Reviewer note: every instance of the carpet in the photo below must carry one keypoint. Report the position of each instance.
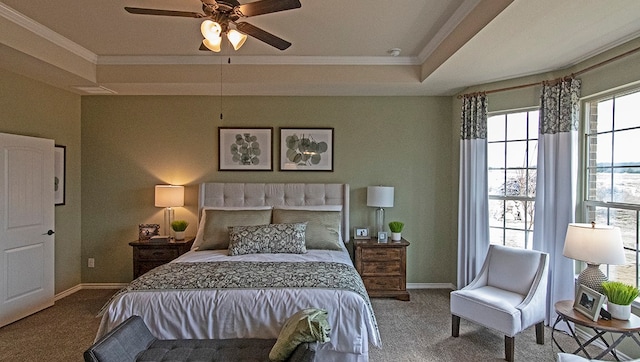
(418, 330)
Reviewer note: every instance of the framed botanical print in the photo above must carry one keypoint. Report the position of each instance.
(245, 149)
(306, 149)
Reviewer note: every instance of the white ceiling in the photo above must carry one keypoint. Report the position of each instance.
(339, 47)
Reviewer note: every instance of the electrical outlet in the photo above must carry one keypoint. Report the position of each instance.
(91, 263)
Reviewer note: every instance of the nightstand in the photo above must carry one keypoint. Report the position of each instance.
(148, 255)
(383, 267)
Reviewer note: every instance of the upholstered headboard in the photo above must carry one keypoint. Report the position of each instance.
(216, 194)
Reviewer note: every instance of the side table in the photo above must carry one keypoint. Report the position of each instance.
(148, 254)
(566, 313)
(383, 267)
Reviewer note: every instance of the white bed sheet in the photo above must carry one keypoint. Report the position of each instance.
(251, 313)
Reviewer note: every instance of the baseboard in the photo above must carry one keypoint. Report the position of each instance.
(81, 286)
(430, 286)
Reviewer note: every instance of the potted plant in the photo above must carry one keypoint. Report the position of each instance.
(619, 298)
(179, 227)
(396, 230)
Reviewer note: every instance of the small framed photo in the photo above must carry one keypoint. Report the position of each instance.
(360, 232)
(382, 236)
(588, 302)
(146, 231)
(306, 149)
(245, 149)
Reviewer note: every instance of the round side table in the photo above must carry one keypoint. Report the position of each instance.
(627, 329)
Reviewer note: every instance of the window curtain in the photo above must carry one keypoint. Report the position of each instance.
(473, 199)
(556, 183)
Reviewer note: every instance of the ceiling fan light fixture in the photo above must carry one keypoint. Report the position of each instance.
(236, 38)
(213, 44)
(210, 30)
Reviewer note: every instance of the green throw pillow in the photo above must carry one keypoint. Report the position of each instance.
(308, 325)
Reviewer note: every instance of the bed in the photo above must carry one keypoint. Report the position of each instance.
(248, 287)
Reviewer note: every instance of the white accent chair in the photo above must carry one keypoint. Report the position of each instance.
(508, 295)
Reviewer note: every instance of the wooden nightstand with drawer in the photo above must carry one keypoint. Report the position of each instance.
(148, 255)
(383, 267)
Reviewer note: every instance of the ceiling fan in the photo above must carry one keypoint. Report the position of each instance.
(220, 15)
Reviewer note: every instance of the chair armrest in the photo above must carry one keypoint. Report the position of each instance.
(533, 307)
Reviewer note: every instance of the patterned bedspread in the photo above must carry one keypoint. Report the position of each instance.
(249, 275)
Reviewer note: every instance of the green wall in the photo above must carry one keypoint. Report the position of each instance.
(121, 146)
(131, 143)
(35, 109)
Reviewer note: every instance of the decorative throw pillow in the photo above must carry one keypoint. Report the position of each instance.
(213, 231)
(308, 325)
(323, 226)
(272, 238)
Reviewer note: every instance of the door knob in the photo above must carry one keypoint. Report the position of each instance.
(50, 232)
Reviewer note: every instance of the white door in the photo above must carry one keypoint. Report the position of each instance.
(26, 226)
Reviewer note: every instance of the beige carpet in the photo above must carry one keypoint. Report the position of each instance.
(419, 330)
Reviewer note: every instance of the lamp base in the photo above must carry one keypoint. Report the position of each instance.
(592, 277)
(168, 219)
(380, 219)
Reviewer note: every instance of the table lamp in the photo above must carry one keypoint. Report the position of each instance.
(594, 245)
(169, 196)
(380, 196)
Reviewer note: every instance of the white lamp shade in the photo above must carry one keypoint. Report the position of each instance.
(594, 244)
(380, 196)
(210, 29)
(169, 196)
(236, 38)
(214, 45)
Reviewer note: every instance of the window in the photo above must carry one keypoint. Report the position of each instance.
(612, 192)
(512, 157)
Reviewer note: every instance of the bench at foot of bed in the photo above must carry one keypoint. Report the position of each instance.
(132, 341)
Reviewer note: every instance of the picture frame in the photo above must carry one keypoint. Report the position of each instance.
(245, 149)
(361, 233)
(588, 302)
(306, 149)
(146, 231)
(382, 236)
(59, 174)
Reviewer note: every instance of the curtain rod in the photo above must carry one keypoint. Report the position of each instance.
(573, 75)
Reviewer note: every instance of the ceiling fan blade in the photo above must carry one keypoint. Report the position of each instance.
(262, 35)
(143, 11)
(267, 6)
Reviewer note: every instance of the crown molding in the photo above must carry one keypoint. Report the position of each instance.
(252, 60)
(46, 33)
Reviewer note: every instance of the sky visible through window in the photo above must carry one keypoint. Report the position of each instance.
(613, 175)
(512, 158)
